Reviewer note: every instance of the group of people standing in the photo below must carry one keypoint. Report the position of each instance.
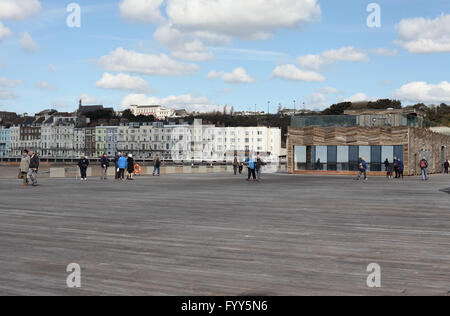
(395, 169)
(254, 166)
(29, 166)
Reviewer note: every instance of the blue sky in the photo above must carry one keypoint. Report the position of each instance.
(265, 45)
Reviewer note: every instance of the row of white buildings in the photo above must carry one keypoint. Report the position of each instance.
(62, 136)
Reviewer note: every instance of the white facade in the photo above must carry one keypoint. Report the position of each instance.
(157, 111)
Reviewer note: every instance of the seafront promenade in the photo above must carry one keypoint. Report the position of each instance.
(216, 234)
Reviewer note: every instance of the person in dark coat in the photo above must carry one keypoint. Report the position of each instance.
(130, 167)
(104, 162)
(157, 166)
(446, 166)
(388, 167)
(83, 164)
(396, 167)
(401, 168)
(34, 167)
(423, 164)
(116, 164)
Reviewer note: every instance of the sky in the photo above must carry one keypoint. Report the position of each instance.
(204, 54)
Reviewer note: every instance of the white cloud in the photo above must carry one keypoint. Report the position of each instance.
(384, 52)
(291, 72)
(329, 90)
(87, 99)
(4, 31)
(192, 51)
(123, 82)
(330, 57)
(6, 94)
(316, 100)
(142, 10)
(46, 86)
(187, 101)
(182, 45)
(238, 75)
(28, 44)
(122, 60)
(51, 68)
(7, 83)
(256, 19)
(18, 10)
(359, 97)
(421, 91)
(424, 35)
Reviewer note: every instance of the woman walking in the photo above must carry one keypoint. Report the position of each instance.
(24, 167)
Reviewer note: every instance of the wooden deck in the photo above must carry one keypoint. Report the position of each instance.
(219, 235)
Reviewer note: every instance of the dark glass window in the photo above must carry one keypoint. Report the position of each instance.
(398, 152)
(332, 158)
(375, 158)
(353, 158)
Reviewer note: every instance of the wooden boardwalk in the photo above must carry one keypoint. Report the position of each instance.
(219, 235)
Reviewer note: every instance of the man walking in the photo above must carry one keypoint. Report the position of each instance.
(157, 166)
(362, 169)
(446, 166)
(235, 165)
(258, 166)
(116, 164)
(251, 169)
(401, 168)
(34, 167)
(423, 164)
(83, 164)
(24, 167)
(105, 165)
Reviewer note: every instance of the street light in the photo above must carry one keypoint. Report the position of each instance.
(295, 107)
(268, 107)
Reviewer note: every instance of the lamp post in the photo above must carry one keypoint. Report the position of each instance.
(295, 107)
(268, 107)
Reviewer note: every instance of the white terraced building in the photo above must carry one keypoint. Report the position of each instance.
(157, 111)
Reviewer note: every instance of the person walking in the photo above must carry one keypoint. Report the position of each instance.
(401, 168)
(388, 167)
(362, 169)
(251, 168)
(121, 166)
(83, 164)
(157, 166)
(24, 167)
(116, 164)
(258, 166)
(34, 167)
(423, 164)
(235, 165)
(130, 167)
(446, 166)
(396, 167)
(105, 165)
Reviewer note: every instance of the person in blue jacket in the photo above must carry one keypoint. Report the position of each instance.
(401, 168)
(251, 168)
(362, 169)
(122, 165)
